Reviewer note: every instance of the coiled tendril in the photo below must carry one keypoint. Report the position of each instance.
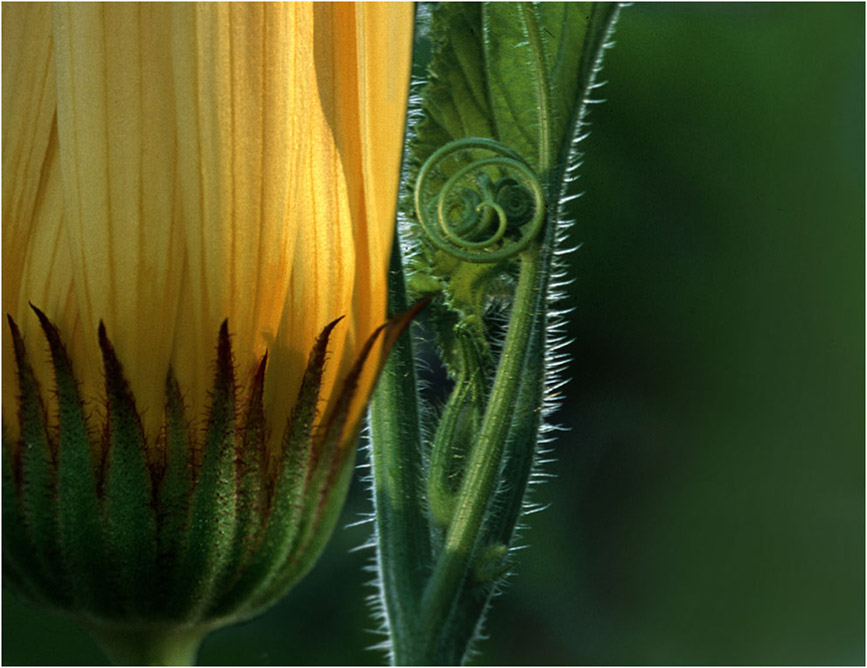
(479, 201)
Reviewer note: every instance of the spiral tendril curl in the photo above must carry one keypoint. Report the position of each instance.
(479, 201)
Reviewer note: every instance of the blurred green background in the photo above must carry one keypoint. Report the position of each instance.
(709, 504)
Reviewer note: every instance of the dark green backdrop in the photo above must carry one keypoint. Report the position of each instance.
(709, 504)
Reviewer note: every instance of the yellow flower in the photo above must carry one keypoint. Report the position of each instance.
(169, 167)
(166, 167)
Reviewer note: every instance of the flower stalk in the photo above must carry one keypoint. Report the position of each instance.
(158, 646)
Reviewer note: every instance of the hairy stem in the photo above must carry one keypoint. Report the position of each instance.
(402, 537)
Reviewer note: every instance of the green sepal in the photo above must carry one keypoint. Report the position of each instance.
(208, 542)
(21, 572)
(286, 498)
(250, 464)
(38, 474)
(163, 541)
(129, 517)
(82, 544)
(175, 488)
(320, 525)
(328, 478)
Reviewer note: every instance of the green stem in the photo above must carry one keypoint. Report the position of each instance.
(459, 423)
(485, 464)
(149, 646)
(482, 473)
(403, 540)
(431, 616)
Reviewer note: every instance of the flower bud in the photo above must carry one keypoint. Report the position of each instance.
(198, 207)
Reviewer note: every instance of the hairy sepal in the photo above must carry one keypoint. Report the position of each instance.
(82, 542)
(194, 531)
(130, 520)
(35, 463)
(284, 500)
(211, 531)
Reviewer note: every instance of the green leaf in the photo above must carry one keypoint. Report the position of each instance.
(490, 61)
(517, 73)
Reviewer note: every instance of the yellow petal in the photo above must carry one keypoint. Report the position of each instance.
(35, 253)
(217, 161)
(362, 55)
(238, 105)
(323, 264)
(384, 33)
(115, 112)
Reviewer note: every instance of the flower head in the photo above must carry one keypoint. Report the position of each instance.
(193, 195)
